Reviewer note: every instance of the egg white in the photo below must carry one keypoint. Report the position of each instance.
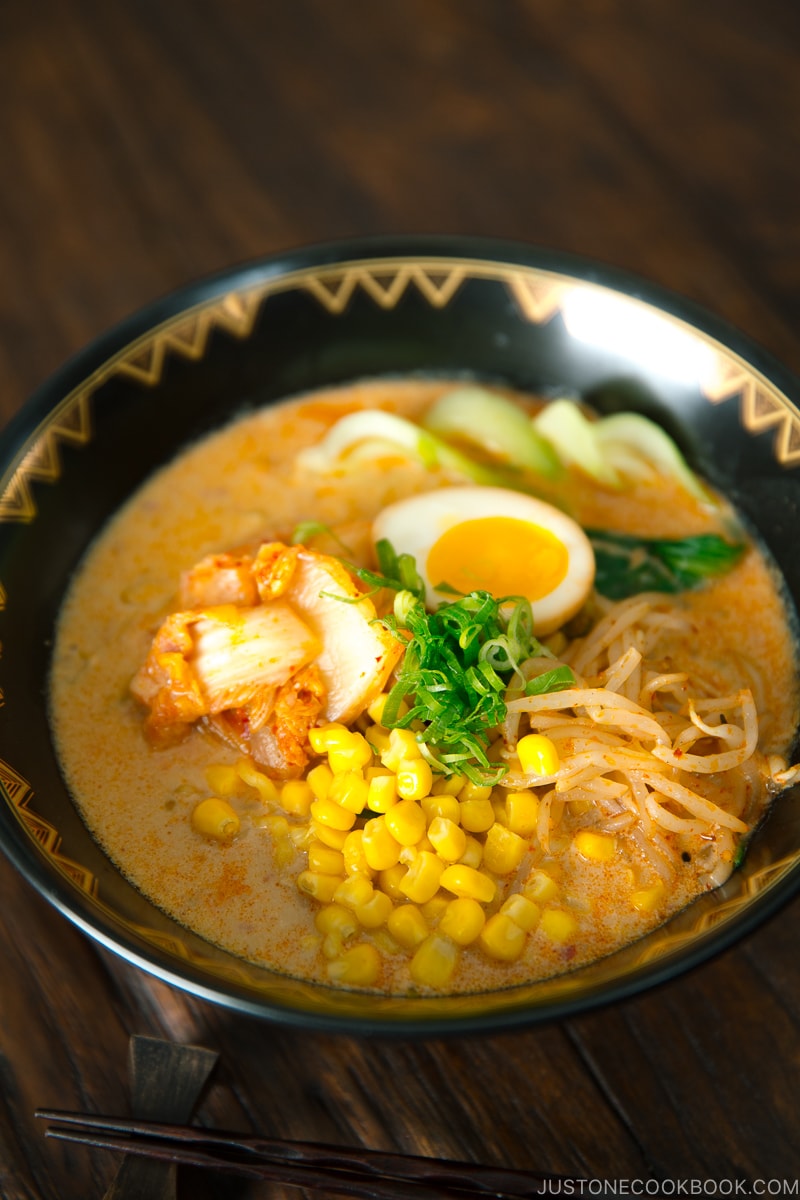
(415, 525)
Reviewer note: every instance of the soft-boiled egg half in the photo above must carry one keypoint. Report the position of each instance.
(493, 540)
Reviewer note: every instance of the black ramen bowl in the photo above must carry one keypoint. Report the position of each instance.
(530, 318)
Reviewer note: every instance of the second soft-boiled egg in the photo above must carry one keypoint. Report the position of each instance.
(493, 540)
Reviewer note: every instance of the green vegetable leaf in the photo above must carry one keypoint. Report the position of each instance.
(557, 680)
(626, 564)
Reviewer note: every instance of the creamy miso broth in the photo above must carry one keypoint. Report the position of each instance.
(615, 799)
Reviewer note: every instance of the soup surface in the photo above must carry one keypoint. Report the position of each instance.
(583, 854)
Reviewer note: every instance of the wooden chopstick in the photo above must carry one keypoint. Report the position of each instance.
(369, 1174)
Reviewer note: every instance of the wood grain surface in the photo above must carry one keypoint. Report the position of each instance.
(145, 144)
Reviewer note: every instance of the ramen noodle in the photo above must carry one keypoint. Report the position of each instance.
(351, 702)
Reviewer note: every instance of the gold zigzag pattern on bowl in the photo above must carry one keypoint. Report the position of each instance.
(18, 793)
(539, 296)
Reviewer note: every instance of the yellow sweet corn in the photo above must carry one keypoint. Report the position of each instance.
(324, 860)
(502, 938)
(215, 818)
(647, 899)
(462, 920)
(381, 792)
(353, 892)
(349, 789)
(358, 966)
(381, 850)
(441, 805)
(476, 815)
(378, 739)
(473, 852)
(448, 839)
(355, 860)
(540, 887)
(351, 755)
(522, 911)
(421, 881)
(467, 881)
(389, 880)
(296, 797)
(375, 912)
(434, 961)
(503, 850)
(254, 778)
(414, 778)
(406, 822)
(600, 847)
(328, 812)
(447, 785)
(402, 744)
(222, 779)
(537, 755)
(407, 925)
(324, 738)
(522, 812)
(317, 886)
(319, 780)
(334, 918)
(474, 791)
(558, 925)
(375, 709)
(432, 909)
(335, 838)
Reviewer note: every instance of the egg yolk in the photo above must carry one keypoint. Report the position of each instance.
(502, 555)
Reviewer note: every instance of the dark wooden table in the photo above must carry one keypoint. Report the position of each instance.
(145, 144)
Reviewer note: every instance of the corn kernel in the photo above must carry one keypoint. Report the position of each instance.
(521, 911)
(448, 840)
(433, 909)
(434, 962)
(375, 912)
(215, 818)
(296, 797)
(355, 861)
(540, 887)
(441, 805)
(421, 881)
(222, 779)
(319, 887)
(648, 899)
(353, 891)
(406, 822)
(375, 709)
(350, 755)
(598, 846)
(474, 791)
(447, 785)
(381, 850)
(389, 881)
(323, 738)
(324, 860)
(254, 778)
(332, 946)
(407, 925)
(473, 852)
(522, 812)
(502, 938)
(333, 918)
(558, 925)
(499, 809)
(349, 789)
(335, 838)
(414, 778)
(402, 744)
(503, 850)
(466, 881)
(328, 812)
(476, 815)
(319, 780)
(277, 825)
(378, 739)
(360, 965)
(537, 755)
(381, 793)
(462, 920)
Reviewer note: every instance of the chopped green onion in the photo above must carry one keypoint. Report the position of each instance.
(496, 425)
(557, 680)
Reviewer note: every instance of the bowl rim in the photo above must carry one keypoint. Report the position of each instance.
(19, 431)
